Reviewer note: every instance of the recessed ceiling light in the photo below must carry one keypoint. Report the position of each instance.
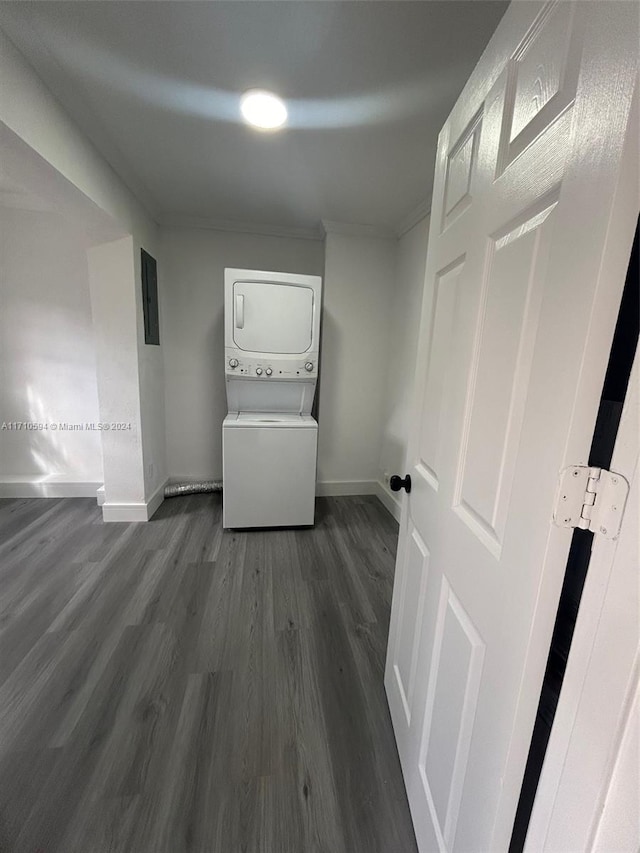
(263, 109)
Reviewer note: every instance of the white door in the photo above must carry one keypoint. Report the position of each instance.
(272, 317)
(523, 282)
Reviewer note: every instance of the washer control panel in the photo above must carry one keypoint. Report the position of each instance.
(265, 368)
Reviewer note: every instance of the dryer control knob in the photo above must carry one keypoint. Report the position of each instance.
(309, 366)
(233, 362)
(258, 371)
(268, 371)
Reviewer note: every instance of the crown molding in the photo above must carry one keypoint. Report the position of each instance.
(412, 218)
(230, 225)
(328, 226)
(351, 229)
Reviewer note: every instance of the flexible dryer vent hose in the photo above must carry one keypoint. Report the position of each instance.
(177, 489)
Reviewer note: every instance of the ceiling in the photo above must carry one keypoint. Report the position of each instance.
(156, 85)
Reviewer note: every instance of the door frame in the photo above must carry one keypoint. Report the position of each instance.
(623, 223)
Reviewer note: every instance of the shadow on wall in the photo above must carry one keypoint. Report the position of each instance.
(330, 412)
(326, 389)
(392, 458)
(216, 372)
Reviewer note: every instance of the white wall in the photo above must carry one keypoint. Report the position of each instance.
(67, 164)
(113, 301)
(191, 312)
(358, 291)
(371, 305)
(404, 328)
(47, 350)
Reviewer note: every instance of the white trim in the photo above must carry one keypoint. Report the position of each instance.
(192, 478)
(352, 229)
(334, 488)
(327, 226)
(389, 501)
(46, 486)
(100, 495)
(142, 511)
(156, 499)
(125, 512)
(229, 225)
(411, 219)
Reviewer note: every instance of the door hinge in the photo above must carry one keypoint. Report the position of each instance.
(591, 499)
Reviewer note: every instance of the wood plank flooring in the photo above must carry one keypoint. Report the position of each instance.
(171, 687)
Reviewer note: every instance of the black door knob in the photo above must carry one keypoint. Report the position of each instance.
(396, 483)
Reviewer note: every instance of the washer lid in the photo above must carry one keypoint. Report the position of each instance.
(269, 420)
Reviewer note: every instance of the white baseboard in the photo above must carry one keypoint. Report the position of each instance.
(46, 486)
(192, 478)
(335, 488)
(125, 512)
(141, 511)
(393, 504)
(100, 495)
(156, 499)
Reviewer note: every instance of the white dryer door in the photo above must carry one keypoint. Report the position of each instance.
(272, 317)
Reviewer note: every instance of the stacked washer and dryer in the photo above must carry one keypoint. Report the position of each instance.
(269, 438)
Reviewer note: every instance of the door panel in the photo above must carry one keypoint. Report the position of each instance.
(541, 68)
(507, 325)
(461, 164)
(525, 186)
(272, 318)
(416, 572)
(451, 705)
(446, 313)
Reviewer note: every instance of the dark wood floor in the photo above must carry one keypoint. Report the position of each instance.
(170, 687)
